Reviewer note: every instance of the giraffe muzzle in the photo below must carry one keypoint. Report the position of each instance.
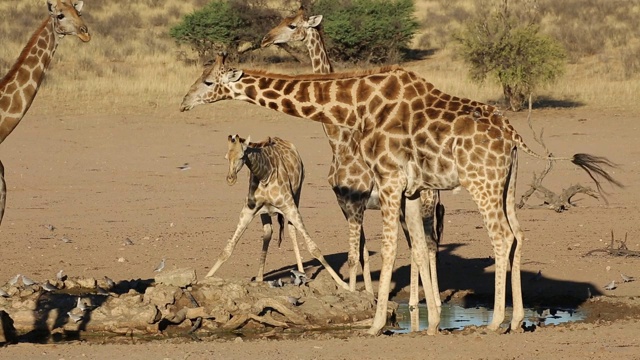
(84, 34)
(231, 179)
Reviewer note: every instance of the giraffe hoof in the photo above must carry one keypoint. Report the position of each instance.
(432, 331)
(374, 332)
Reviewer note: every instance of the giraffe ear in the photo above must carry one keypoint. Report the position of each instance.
(51, 6)
(232, 75)
(314, 21)
(78, 5)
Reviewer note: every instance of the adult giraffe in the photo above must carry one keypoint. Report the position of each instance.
(20, 85)
(413, 140)
(350, 177)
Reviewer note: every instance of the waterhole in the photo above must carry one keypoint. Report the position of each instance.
(456, 317)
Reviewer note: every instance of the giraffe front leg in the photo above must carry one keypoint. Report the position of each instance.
(366, 269)
(293, 215)
(390, 200)
(420, 257)
(414, 283)
(246, 215)
(432, 225)
(267, 228)
(353, 212)
(414, 299)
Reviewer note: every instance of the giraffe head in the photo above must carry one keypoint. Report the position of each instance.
(212, 85)
(67, 18)
(236, 148)
(292, 28)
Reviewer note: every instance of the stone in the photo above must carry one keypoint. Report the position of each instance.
(177, 277)
(88, 283)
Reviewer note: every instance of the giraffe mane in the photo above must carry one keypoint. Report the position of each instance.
(332, 76)
(24, 53)
(262, 144)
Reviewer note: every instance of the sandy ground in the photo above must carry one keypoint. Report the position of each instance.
(100, 178)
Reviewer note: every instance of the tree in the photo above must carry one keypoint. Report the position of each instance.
(508, 45)
(225, 25)
(376, 31)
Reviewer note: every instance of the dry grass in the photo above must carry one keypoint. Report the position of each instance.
(131, 62)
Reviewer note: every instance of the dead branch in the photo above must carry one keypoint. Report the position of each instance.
(621, 250)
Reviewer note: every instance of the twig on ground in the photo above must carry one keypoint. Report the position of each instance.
(621, 250)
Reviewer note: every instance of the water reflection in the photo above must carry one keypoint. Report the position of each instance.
(458, 317)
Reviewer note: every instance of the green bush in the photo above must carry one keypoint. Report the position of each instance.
(503, 45)
(366, 30)
(225, 25)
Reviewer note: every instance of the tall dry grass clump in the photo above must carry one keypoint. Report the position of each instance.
(131, 62)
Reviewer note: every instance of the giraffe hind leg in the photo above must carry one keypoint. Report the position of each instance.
(3, 192)
(516, 284)
(489, 199)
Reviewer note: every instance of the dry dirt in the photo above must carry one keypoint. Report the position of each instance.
(100, 177)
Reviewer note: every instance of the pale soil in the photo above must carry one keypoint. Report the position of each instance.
(100, 177)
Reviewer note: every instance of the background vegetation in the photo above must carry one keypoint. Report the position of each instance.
(132, 61)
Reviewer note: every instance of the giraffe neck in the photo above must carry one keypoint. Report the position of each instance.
(19, 87)
(321, 98)
(257, 161)
(317, 52)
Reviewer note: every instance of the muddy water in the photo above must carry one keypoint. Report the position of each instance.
(457, 317)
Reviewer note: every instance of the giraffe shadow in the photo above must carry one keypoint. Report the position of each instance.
(470, 283)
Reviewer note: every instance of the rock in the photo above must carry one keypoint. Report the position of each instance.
(161, 295)
(88, 283)
(177, 277)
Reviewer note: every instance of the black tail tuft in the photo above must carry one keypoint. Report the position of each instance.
(281, 231)
(593, 165)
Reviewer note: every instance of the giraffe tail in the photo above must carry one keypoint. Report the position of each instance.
(281, 231)
(594, 166)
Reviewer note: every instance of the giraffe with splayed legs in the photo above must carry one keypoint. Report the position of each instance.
(20, 85)
(275, 183)
(413, 138)
(349, 176)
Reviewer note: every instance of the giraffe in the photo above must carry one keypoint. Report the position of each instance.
(349, 176)
(262, 168)
(414, 137)
(20, 85)
(275, 184)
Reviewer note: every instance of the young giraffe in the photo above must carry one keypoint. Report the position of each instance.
(349, 176)
(275, 184)
(20, 85)
(413, 138)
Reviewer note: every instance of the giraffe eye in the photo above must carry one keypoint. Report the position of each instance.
(60, 16)
(208, 83)
(291, 26)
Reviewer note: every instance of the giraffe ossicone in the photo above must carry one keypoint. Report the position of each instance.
(414, 137)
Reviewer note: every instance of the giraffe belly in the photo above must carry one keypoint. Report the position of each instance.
(419, 178)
